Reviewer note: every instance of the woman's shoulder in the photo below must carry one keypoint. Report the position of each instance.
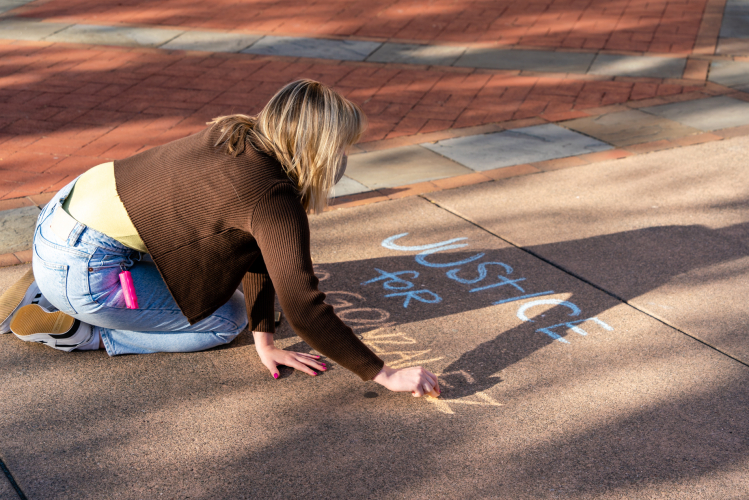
(260, 180)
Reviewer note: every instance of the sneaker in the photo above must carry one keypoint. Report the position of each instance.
(22, 293)
(33, 323)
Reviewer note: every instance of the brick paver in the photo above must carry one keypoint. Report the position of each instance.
(661, 26)
(65, 107)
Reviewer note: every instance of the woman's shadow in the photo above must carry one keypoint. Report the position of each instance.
(624, 265)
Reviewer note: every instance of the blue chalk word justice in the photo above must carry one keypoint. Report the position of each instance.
(498, 276)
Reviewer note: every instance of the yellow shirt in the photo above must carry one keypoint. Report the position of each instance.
(94, 202)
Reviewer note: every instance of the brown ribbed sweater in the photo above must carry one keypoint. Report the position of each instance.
(210, 220)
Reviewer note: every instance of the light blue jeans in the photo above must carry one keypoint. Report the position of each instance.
(80, 276)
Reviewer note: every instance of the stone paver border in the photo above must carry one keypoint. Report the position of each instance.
(720, 29)
(654, 27)
(586, 62)
(533, 144)
(378, 195)
(733, 74)
(10, 5)
(735, 20)
(385, 194)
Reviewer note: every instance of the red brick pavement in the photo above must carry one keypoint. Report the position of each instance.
(661, 26)
(65, 107)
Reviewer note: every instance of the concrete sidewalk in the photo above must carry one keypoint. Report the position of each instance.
(602, 355)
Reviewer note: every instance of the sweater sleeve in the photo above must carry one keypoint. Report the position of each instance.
(281, 229)
(259, 297)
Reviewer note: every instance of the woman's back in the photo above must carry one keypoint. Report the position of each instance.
(94, 202)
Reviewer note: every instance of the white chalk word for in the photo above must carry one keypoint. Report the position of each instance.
(391, 281)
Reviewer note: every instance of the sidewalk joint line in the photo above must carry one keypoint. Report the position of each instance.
(12, 481)
(584, 280)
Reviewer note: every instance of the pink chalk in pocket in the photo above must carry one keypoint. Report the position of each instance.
(131, 300)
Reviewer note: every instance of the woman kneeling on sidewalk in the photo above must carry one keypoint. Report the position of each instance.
(185, 223)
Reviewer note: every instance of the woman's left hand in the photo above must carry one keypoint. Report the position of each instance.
(271, 356)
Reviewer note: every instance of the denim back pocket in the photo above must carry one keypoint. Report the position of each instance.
(52, 280)
(55, 267)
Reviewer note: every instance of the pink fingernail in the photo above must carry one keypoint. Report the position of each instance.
(275, 375)
(323, 368)
(314, 374)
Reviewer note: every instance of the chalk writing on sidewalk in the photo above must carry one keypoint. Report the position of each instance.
(393, 282)
(397, 349)
(502, 283)
(389, 344)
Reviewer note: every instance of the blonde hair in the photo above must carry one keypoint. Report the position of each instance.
(307, 127)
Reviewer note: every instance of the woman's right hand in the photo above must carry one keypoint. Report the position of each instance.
(416, 379)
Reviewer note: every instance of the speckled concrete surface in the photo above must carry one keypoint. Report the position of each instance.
(17, 228)
(635, 411)
(668, 232)
(6, 489)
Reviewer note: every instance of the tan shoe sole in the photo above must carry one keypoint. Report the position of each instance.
(32, 319)
(13, 296)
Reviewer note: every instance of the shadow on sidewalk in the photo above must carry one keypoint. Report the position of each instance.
(211, 425)
(626, 264)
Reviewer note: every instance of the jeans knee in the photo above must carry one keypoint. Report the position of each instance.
(234, 325)
(227, 337)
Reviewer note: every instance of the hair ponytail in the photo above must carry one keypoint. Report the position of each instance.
(234, 132)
